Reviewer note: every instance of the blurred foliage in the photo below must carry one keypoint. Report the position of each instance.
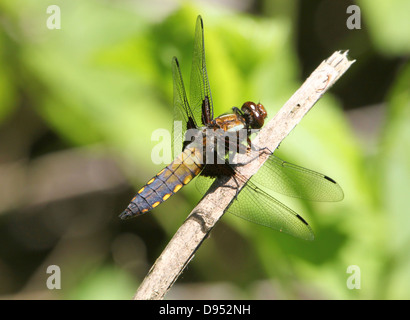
(101, 85)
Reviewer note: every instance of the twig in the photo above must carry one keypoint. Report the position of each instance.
(181, 249)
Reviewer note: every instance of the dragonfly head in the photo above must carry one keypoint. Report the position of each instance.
(255, 114)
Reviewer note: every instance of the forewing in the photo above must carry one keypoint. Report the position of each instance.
(183, 115)
(294, 181)
(200, 93)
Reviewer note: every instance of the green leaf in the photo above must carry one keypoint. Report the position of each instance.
(388, 24)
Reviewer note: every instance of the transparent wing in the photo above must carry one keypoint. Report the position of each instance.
(203, 184)
(183, 116)
(255, 205)
(200, 93)
(294, 181)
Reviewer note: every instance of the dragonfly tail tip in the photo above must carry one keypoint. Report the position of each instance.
(125, 214)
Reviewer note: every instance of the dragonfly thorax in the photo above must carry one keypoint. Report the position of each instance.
(229, 122)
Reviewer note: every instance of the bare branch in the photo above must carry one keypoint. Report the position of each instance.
(181, 249)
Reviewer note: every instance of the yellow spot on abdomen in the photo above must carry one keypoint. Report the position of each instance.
(155, 204)
(151, 181)
(176, 189)
(141, 190)
(187, 179)
(166, 197)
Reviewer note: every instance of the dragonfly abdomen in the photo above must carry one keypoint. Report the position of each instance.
(166, 183)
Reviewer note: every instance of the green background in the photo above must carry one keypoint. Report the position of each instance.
(78, 106)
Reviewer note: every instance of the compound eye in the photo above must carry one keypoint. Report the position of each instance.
(256, 114)
(249, 105)
(262, 110)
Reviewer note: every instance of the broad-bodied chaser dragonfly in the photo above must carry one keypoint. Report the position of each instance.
(252, 202)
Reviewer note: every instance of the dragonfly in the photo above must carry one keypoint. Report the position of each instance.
(253, 202)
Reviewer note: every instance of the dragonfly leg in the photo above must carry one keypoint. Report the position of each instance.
(235, 180)
(265, 150)
(261, 151)
(235, 187)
